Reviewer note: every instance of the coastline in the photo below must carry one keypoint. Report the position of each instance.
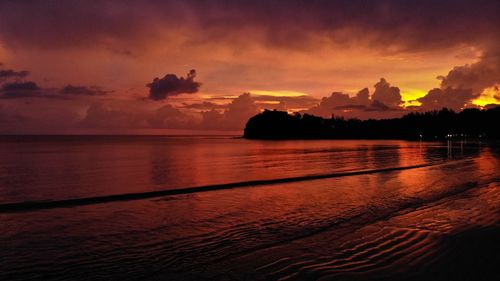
(434, 125)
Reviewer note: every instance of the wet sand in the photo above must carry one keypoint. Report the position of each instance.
(456, 238)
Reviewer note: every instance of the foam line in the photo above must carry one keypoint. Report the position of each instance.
(37, 205)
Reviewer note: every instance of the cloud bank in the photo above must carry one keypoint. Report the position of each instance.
(383, 103)
(389, 25)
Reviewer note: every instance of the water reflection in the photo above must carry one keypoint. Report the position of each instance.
(162, 171)
(164, 236)
(51, 169)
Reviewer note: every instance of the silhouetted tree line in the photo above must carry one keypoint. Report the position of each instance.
(431, 125)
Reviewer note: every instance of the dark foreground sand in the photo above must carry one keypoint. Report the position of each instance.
(456, 238)
(471, 255)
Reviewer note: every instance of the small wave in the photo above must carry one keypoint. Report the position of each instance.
(66, 203)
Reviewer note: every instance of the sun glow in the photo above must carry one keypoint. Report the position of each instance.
(410, 95)
(279, 93)
(488, 96)
(408, 103)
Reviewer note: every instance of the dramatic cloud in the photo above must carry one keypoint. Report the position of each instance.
(20, 90)
(464, 83)
(455, 99)
(386, 94)
(304, 46)
(83, 91)
(171, 85)
(386, 100)
(477, 76)
(234, 118)
(339, 101)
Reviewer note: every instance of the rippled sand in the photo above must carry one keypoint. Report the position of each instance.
(455, 238)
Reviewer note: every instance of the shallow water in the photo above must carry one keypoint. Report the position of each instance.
(50, 168)
(203, 234)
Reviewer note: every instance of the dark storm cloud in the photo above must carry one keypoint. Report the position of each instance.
(477, 76)
(171, 85)
(83, 91)
(20, 90)
(389, 25)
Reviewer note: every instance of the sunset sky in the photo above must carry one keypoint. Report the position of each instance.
(184, 66)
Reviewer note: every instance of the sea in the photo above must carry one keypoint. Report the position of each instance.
(228, 208)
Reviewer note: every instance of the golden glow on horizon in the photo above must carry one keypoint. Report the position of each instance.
(410, 95)
(272, 102)
(488, 97)
(218, 97)
(411, 103)
(280, 93)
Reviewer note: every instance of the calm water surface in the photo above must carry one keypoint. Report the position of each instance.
(50, 168)
(169, 236)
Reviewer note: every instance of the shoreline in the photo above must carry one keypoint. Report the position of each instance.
(444, 240)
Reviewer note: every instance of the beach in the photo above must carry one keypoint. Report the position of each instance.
(249, 140)
(451, 239)
(255, 210)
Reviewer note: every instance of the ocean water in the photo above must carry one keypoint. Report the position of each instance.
(213, 207)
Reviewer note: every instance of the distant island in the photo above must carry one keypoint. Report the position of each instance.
(432, 125)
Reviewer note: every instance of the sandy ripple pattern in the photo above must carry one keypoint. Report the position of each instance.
(399, 248)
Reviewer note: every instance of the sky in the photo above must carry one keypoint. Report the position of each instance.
(70, 67)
